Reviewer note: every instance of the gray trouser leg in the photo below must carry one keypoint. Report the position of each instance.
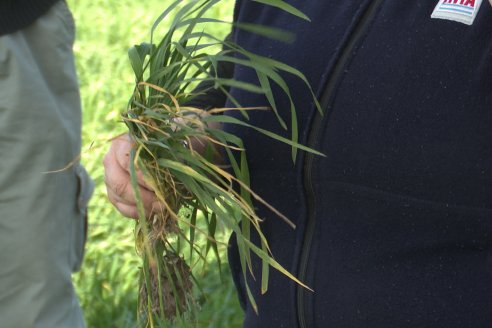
(41, 214)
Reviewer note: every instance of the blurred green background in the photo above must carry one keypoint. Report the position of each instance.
(108, 283)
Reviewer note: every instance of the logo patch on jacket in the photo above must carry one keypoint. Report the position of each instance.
(463, 11)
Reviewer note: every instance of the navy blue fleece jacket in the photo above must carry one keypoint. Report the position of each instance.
(394, 225)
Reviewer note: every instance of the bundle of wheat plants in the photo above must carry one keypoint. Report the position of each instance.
(176, 150)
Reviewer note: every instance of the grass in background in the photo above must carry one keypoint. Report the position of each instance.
(108, 283)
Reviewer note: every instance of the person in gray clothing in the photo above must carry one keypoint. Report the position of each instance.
(42, 213)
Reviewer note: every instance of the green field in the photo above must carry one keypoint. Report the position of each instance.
(108, 283)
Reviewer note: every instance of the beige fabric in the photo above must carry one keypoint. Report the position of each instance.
(41, 214)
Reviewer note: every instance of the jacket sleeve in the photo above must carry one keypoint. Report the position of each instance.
(207, 96)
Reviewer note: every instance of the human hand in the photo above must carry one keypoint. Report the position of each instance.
(117, 179)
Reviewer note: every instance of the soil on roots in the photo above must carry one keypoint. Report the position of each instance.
(176, 286)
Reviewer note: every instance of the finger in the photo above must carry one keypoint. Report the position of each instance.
(141, 181)
(120, 190)
(116, 178)
(130, 210)
(121, 149)
(127, 210)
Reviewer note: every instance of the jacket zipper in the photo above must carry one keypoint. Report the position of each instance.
(313, 140)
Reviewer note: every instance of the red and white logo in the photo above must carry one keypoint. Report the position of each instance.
(463, 11)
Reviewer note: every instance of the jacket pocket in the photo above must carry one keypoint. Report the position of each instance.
(79, 226)
(4, 58)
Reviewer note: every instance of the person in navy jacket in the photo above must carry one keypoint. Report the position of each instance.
(394, 225)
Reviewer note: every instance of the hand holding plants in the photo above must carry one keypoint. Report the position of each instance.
(117, 177)
(117, 180)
